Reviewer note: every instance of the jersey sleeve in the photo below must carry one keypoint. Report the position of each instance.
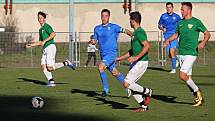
(118, 28)
(142, 36)
(95, 35)
(178, 18)
(161, 22)
(201, 27)
(49, 29)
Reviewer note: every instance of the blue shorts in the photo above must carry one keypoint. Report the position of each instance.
(173, 44)
(109, 61)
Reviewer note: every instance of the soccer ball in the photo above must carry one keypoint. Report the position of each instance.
(37, 102)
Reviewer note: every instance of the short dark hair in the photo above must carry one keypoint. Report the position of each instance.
(42, 14)
(136, 16)
(169, 3)
(188, 4)
(106, 10)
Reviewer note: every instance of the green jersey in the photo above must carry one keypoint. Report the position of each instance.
(188, 31)
(138, 36)
(44, 33)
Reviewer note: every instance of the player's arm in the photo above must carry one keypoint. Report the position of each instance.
(51, 36)
(33, 44)
(171, 38)
(207, 36)
(124, 56)
(160, 24)
(142, 53)
(126, 31)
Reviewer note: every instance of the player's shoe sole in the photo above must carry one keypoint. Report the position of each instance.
(141, 109)
(70, 64)
(51, 85)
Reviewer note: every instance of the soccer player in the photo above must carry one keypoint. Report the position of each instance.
(138, 59)
(46, 40)
(188, 29)
(91, 50)
(167, 24)
(106, 35)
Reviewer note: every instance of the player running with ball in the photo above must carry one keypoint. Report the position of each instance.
(138, 59)
(46, 40)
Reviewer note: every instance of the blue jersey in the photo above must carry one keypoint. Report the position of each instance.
(107, 36)
(169, 22)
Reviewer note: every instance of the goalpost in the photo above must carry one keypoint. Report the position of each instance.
(71, 30)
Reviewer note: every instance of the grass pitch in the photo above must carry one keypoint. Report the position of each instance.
(77, 96)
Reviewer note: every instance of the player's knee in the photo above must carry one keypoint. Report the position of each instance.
(126, 85)
(115, 73)
(43, 67)
(183, 76)
(50, 68)
(101, 67)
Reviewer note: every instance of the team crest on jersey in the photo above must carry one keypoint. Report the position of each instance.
(190, 26)
(42, 31)
(174, 18)
(108, 28)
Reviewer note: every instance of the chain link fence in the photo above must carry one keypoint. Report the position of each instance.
(13, 53)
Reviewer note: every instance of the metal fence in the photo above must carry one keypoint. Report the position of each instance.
(14, 54)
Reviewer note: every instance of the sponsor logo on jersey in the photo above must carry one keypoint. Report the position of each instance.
(190, 26)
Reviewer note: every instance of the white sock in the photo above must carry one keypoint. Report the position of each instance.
(47, 74)
(138, 98)
(192, 85)
(58, 65)
(136, 87)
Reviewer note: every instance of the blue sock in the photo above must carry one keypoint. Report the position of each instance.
(104, 81)
(120, 77)
(174, 63)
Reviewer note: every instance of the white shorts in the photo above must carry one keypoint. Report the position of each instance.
(136, 72)
(48, 57)
(186, 63)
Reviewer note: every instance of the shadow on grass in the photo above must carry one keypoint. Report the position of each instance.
(36, 81)
(168, 99)
(33, 81)
(103, 100)
(158, 69)
(18, 108)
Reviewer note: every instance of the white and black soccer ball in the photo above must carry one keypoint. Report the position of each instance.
(37, 102)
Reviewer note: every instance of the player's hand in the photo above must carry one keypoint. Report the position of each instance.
(132, 59)
(164, 29)
(117, 60)
(42, 43)
(28, 45)
(201, 45)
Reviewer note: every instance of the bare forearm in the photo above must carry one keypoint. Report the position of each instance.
(207, 36)
(124, 56)
(128, 32)
(173, 37)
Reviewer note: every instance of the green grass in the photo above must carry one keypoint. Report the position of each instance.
(77, 96)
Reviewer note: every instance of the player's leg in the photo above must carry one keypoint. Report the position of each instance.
(94, 57)
(47, 73)
(115, 72)
(88, 58)
(185, 75)
(101, 67)
(51, 65)
(138, 91)
(173, 46)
